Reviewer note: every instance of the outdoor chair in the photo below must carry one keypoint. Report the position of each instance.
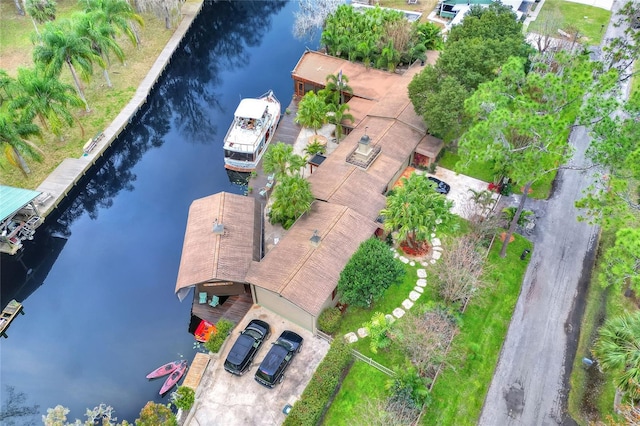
(214, 301)
(203, 297)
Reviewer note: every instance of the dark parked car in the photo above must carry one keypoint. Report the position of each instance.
(271, 370)
(246, 347)
(441, 187)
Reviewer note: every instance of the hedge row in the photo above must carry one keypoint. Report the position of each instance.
(309, 408)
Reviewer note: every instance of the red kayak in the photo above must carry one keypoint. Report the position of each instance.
(173, 378)
(164, 370)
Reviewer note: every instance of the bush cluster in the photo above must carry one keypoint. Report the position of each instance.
(183, 398)
(223, 328)
(329, 320)
(309, 408)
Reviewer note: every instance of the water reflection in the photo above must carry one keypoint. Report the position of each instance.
(97, 281)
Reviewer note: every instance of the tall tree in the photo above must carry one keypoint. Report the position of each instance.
(335, 88)
(102, 36)
(117, 13)
(15, 132)
(523, 119)
(281, 160)
(153, 414)
(40, 11)
(415, 210)
(46, 97)
(618, 350)
(622, 51)
(336, 115)
(292, 198)
(312, 112)
(60, 45)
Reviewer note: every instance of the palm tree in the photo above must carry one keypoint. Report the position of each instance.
(40, 11)
(44, 96)
(415, 210)
(335, 88)
(61, 45)
(117, 13)
(280, 160)
(14, 132)
(365, 50)
(314, 148)
(292, 198)
(102, 36)
(7, 86)
(618, 350)
(336, 115)
(312, 112)
(389, 57)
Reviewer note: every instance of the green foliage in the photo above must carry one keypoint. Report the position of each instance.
(153, 414)
(41, 10)
(335, 88)
(329, 320)
(309, 408)
(223, 328)
(623, 261)
(336, 115)
(280, 160)
(312, 112)
(407, 387)
(369, 272)
(474, 50)
(314, 148)
(292, 198)
(378, 328)
(415, 210)
(510, 212)
(377, 36)
(618, 349)
(183, 398)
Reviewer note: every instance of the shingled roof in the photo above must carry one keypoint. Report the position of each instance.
(209, 257)
(307, 275)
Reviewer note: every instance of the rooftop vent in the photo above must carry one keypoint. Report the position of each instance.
(364, 154)
(218, 228)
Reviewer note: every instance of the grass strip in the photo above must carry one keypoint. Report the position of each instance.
(459, 392)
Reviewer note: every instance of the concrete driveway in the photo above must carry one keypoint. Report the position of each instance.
(224, 399)
(460, 194)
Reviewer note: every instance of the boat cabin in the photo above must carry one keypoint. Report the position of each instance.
(19, 217)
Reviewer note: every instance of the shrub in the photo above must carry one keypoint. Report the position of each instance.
(310, 407)
(223, 328)
(183, 398)
(329, 320)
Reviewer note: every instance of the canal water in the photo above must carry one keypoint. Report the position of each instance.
(97, 282)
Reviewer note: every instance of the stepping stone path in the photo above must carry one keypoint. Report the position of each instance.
(414, 294)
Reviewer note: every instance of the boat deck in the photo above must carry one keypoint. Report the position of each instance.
(196, 370)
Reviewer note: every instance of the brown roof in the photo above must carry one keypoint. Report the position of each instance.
(209, 257)
(306, 275)
(366, 83)
(430, 146)
(359, 108)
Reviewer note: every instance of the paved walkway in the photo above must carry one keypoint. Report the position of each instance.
(414, 294)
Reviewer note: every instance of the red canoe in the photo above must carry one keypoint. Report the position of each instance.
(164, 370)
(173, 378)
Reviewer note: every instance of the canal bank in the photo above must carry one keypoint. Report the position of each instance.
(62, 180)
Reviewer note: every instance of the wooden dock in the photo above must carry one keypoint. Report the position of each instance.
(233, 309)
(8, 315)
(196, 370)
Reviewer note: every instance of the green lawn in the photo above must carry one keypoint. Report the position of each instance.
(460, 390)
(592, 393)
(588, 20)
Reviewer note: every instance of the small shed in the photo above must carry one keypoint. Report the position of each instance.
(427, 151)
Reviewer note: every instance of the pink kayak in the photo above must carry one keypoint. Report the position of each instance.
(173, 378)
(164, 370)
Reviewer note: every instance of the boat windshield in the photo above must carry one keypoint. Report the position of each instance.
(240, 156)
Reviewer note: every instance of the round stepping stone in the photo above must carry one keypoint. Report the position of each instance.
(433, 261)
(390, 318)
(414, 295)
(418, 289)
(412, 263)
(363, 332)
(436, 255)
(351, 337)
(421, 282)
(396, 255)
(398, 312)
(436, 242)
(433, 235)
(437, 248)
(404, 260)
(407, 304)
(421, 273)
(424, 263)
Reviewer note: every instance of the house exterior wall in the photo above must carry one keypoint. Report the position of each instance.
(281, 306)
(395, 178)
(222, 289)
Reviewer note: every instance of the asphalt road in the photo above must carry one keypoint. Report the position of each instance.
(530, 384)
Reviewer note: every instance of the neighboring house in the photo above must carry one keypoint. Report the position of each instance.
(19, 217)
(222, 238)
(456, 9)
(297, 279)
